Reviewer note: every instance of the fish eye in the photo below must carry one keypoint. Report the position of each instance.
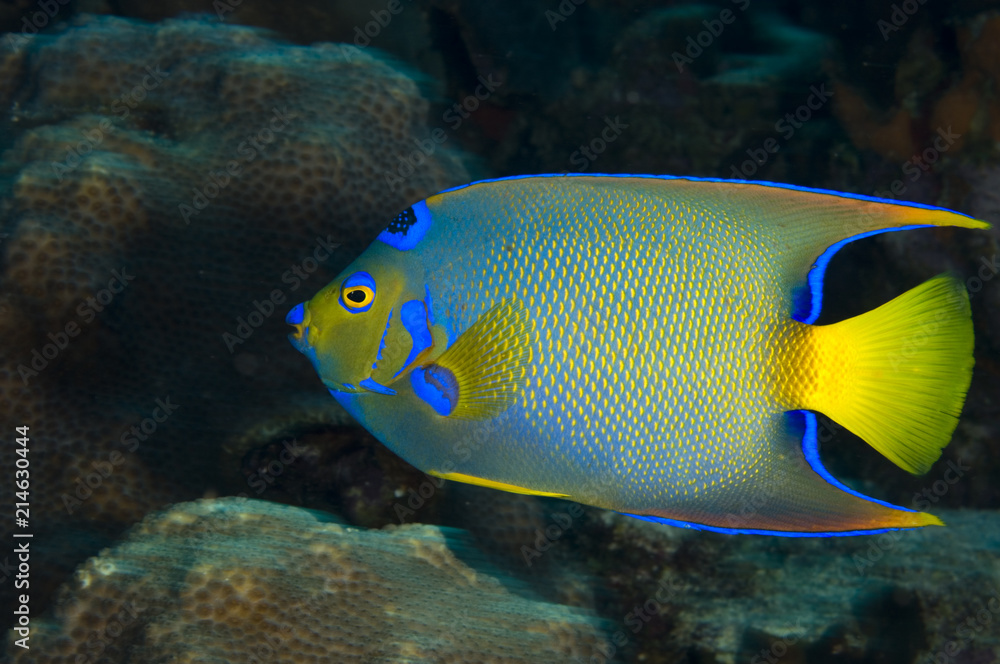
(358, 296)
(357, 293)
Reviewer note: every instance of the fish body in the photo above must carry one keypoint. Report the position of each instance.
(643, 344)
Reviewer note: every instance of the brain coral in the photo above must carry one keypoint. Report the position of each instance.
(235, 580)
(168, 192)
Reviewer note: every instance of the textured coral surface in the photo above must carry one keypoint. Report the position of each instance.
(231, 580)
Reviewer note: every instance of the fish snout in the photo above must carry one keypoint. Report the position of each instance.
(298, 318)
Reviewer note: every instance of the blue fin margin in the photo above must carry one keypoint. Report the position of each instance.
(810, 448)
(808, 302)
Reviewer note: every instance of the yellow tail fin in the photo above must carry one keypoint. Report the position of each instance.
(897, 376)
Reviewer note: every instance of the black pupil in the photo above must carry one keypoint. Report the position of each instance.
(356, 295)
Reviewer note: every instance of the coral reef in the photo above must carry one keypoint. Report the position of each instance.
(167, 198)
(238, 580)
(904, 596)
(635, 89)
(927, 97)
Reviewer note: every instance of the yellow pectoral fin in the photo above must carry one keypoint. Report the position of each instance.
(480, 375)
(491, 484)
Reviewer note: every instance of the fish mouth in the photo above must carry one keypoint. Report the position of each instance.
(299, 319)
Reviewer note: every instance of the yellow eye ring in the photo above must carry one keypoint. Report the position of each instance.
(357, 297)
(357, 293)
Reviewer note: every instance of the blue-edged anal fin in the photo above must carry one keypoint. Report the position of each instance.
(792, 495)
(807, 227)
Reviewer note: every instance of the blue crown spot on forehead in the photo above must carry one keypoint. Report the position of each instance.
(407, 228)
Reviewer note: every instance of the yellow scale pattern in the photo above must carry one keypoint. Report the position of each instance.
(651, 348)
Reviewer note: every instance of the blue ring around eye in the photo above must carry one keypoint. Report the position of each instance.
(358, 279)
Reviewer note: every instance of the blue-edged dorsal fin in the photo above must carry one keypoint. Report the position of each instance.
(808, 226)
(804, 227)
(796, 497)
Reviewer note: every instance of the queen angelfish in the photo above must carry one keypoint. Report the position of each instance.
(646, 345)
